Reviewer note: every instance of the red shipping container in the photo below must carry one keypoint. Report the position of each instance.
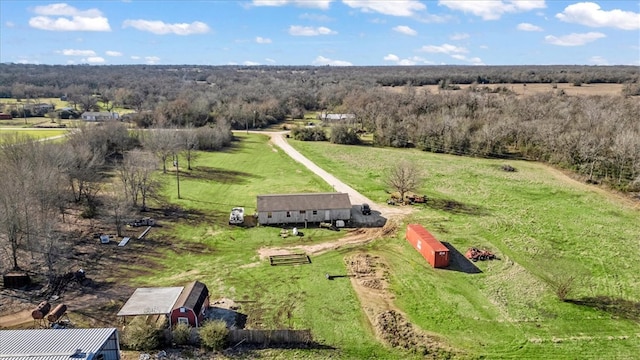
(428, 246)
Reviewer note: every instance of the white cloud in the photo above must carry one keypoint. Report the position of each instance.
(444, 49)
(391, 57)
(319, 4)
(161, 28)
(393, 8)
(74, 52)
(76, 23)
(574, 39)
(296, 30)
(321, 60)
(72, 18)
(250, 63)
(151, 60)
(270, 61)
(590, 14)
(10, 24)
(528, 27)
(113, 53)
(135, 57)
(472, 61)
(94, 60)
(493, 9)
(405, 30)
(63, 9)
(415, 60)
(459, 36)
(261, 40)
(598, 60)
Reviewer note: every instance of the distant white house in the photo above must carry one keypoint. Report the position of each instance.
(60, 344)
(337, 117)
(99, 116)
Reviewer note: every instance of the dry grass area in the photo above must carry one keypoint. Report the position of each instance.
(535, 88)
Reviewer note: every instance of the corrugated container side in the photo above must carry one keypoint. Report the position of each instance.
(427, 245)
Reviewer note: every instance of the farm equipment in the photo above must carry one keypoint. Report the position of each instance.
(475, 254)
(237, 216)
(147, 221)
(409, 199)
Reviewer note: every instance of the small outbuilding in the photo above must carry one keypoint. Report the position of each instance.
(191, 306)
(99, 116)
(303, 208)
(60, 344)
(150, 301)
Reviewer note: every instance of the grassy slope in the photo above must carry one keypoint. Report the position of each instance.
(544, 227)
(36, 134)
(218, 254)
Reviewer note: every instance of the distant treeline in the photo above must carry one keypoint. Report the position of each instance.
(20, 80)
(598, 135)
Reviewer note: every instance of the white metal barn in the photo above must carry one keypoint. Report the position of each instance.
(60, 344)
(303, 208)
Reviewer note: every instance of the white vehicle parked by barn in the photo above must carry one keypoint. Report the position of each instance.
(237, 216)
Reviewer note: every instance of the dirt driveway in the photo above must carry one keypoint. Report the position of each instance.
(278, 139)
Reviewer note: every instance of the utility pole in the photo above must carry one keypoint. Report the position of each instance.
(175, 163)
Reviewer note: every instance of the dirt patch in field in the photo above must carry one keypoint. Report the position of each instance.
(353, 238)
(368, 278)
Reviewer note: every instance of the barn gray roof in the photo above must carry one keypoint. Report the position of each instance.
(52, 344)
(151, 301)
(310, 201)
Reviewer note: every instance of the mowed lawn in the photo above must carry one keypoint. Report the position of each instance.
(33, 133)
(204, 247)
(547, 230)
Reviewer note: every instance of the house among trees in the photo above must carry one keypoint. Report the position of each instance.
(337, 117)
(303, 208)
(191, 306)
(99, 116)
(60, 344)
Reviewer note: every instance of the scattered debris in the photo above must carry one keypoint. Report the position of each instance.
(475, 254)
(147, 221)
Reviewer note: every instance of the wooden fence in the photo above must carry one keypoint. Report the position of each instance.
(270, 337)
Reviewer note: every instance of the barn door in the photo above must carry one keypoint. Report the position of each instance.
(327, 215)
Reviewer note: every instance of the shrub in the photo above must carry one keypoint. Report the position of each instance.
(508, 168)
(345, 135)
(139, 335)
(181, 334)
(213, 334)
(309, 134)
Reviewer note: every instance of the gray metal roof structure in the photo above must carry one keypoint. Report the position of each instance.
(309, 201)
(53, 344)
(151, 301)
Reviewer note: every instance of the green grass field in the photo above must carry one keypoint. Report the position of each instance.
(545, 227)
(34, 133)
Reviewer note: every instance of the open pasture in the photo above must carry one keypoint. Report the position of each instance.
(548, 230)
(533, 88)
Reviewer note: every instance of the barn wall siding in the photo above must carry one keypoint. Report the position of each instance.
(280, 217)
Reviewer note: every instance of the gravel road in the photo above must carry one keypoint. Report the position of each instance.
(278, 139)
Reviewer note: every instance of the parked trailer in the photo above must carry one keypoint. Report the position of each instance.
(428, 246)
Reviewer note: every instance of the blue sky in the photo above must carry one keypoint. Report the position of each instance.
(321, 32)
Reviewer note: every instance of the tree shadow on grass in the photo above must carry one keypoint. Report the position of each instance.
(455, 207)
(621, 308)
(458, 262)
(218, 175)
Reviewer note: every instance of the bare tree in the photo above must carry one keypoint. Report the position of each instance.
(403, 178)
(136, 173)
(162, 142)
